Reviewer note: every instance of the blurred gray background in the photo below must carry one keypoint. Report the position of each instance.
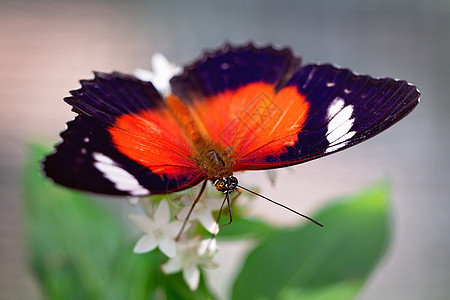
(46, 47)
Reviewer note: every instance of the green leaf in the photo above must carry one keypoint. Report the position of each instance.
(242, 227)
(79, 249)
(71, 238)
(310, 262)
(341, 291)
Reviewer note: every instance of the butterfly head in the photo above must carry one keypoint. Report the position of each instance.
(225, 184)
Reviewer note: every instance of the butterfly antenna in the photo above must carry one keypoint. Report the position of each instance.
(282, 205)
(191, 210)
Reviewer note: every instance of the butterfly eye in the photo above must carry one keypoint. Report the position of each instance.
(220, 185)
(233, 182)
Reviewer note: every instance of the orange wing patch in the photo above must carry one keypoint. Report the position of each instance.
(253, 116)
(175, 140)
(154, 139)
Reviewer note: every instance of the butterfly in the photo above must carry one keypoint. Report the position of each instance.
(236, 108)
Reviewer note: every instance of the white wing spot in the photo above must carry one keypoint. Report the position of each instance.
(330, 84)
(337, 144)
(347, 91)
(102, 158)
(121, 179)
(343, 138)
(86, 140)
(83, 151)
(339, 125)
(335, 107)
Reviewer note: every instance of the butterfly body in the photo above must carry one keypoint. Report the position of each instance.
(215, 160)
(238, 108)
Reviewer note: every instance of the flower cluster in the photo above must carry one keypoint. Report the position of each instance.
(189, 251)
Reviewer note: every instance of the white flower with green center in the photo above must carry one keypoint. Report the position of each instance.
(162, 71)
(158, 230)
(190, 256)
(203, 212)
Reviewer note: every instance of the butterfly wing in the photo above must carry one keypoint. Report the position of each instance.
(344, 109)
(273, 113)
(257, 102)
(124, 141)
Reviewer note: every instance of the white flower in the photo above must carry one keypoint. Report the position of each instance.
(192, 254)
(158, 230)
(162, 71)
(203, 213)
(132, 200)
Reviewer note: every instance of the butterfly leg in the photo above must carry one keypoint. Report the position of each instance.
(202, 189)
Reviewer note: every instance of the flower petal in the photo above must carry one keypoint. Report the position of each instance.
(183, 213)
(207, 247)
(161, 65)
(168, 247)
(162, 214)
(143, 75)
(148, 206)
(132, 201)
(208, 263)
(145, 244)
(192, 277)
(142, 222)
(209, 223)
(173, 228)
(213, 204)
(172, 266)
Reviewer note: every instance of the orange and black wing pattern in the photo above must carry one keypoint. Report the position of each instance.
(124, 141)
(272, 112)
(258, 104)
